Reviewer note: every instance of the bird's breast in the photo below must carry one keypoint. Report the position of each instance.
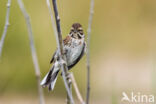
(74, 51)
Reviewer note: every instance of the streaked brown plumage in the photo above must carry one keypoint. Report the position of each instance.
(74, 47)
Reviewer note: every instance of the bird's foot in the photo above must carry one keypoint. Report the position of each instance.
(68, 77)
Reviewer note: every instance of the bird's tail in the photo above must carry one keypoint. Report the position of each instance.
(50, 79)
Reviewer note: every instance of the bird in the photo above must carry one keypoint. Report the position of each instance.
(74, 49)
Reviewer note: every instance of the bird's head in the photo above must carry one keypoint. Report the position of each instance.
(76, 31)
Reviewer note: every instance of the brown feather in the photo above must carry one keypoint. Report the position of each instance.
(76, 25)
(66, 40)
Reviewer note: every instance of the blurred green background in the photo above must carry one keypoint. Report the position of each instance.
(122, 49)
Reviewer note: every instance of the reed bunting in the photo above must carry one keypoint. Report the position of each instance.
(74, 48)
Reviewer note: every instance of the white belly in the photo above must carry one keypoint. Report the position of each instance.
(74, 51)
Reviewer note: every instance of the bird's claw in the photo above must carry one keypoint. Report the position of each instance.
(68, 77)
(62, 62)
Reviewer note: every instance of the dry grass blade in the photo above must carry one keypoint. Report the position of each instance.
(76, 89)
(33, 50)
(61, 54)
(88, 49)
(5, 27)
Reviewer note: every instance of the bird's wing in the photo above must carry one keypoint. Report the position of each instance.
(65, 41)
(53, 57)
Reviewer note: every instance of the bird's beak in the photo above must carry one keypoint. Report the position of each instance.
(75, 31)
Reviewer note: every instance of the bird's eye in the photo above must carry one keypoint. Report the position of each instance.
(80, 31)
